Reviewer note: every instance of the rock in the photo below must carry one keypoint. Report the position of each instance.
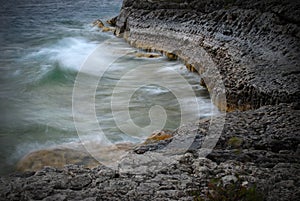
(181, 177)
(171, 56)
(228, 179)
(101, 25)
(244, 46)
(156, 141)
(61, 156)
(57, 157)
(107, 29)
(147, 55)
(80, 181)
(202, 83)
(158, 136)
(113, 21)
(252, 47)
(191, 68)
(98, 23)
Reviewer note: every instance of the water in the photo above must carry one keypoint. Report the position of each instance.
(43, 45)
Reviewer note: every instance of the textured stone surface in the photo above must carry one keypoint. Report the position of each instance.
(57, 157)
(274, 167)
(254, 46)
(74, 153)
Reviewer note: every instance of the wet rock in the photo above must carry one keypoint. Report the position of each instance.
(113, 21)
(107, 29)
(147, 55)
(60, 156)
(98, 23)
(191, 68)
(57, 157)
(158, 136)
(156, 141)
(171, 56)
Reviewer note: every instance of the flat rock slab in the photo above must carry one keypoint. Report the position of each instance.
(75, 154)
(57, 157)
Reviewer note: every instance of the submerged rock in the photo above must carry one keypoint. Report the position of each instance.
(98, 23)
(57, 157)
(60, 156)
(107, 29)
(104, 28)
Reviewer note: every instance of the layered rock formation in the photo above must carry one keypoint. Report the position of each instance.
(252, 46)
(247, 53)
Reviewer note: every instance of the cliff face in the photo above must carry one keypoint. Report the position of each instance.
(250, 47)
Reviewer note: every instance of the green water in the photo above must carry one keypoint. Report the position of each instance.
(43, 45)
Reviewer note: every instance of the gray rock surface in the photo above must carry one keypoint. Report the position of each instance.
(251, 48)
(253, 45)
(268, 157)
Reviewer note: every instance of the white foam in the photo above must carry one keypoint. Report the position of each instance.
(68, 52)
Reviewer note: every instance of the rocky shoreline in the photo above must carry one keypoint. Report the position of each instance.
(247, 54)
(266, 155)
(252, 46)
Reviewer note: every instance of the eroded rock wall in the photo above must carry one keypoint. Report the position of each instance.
(254, 45)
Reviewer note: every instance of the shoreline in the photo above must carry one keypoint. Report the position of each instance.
(222, 43)
(260, 140)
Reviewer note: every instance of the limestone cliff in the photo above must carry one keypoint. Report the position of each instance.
(252, 46)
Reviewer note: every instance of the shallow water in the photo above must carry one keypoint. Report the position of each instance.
(43, 47)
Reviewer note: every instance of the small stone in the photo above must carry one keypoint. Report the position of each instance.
(245, 183)
(229, 179)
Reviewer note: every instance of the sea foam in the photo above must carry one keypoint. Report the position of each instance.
(68, 52)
